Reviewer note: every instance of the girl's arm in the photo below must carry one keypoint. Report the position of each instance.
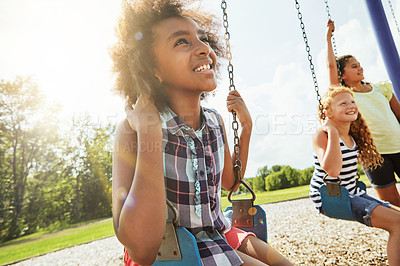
(235, 102)
(139, 203)
(327, 147)
(395, 106)
(331, 60)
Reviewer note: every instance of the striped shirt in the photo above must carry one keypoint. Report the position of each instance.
(347, 174)
(193, 165)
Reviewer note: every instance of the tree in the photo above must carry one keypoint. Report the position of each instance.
(28, 137)
(96, 184)
(90, 166)
(263, 171)
(276, 168)
(259, 183)
(305, 176)
(274, 181)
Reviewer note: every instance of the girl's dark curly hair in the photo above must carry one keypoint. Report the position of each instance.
(369, 155)
(133, 57)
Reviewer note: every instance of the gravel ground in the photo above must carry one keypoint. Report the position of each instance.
(294, 228)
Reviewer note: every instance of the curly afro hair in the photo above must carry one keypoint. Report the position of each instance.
(132, 54)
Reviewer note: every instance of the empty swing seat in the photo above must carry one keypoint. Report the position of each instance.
(246, 216)
(259, 227)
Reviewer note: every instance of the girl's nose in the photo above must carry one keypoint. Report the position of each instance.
(202, 48)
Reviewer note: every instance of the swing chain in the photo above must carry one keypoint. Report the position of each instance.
(309, 57)
(228, 53)
(394, 17)
(333, 42)
(235, 125)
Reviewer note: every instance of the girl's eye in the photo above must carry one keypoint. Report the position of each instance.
(180, 41)
(204, 39)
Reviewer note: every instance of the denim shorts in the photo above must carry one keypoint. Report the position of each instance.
(363, 205)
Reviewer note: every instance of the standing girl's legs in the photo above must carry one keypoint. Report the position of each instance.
(254, 251)
(390, 194)
(383, 180)
(389, 220)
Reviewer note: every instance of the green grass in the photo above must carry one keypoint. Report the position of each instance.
(41, 243)
(364, 178)
(272, 196)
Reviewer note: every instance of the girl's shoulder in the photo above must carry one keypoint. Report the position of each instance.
(124, 128)
(320, 136)
(212, 116)
(210, 111)
(125, 137)
(384, 87)
(320, 133)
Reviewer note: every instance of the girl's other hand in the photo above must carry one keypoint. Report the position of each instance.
(328, 126)
(330, 28)
(235, 102)
(143, 114)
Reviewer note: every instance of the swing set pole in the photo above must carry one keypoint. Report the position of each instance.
(386, 42)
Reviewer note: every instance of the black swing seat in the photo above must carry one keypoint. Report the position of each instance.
(336, 200)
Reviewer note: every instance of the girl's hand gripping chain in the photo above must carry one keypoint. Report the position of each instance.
(235, 102)
(328, 126)
(144, 114)
(330, 28)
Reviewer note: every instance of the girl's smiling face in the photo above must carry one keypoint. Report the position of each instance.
(343, 108)
(185, 62)
(353, 72)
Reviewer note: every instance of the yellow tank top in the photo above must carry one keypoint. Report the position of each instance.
(375, 108)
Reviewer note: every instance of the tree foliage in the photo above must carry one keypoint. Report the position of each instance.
(284, 176)
(48, 174)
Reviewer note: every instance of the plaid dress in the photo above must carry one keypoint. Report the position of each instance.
(193, 165)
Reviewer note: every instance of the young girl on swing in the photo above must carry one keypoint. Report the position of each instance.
(170, 146)
(381, 111)
(343, 138)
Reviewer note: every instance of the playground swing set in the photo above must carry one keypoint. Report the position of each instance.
(335, 198)
(179, 245)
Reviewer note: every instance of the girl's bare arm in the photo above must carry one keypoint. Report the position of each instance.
(331, 60)
(395, 106)
(139, 208)
(327, 147)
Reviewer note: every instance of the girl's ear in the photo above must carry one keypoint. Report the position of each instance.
(327, 113)
(157, 76)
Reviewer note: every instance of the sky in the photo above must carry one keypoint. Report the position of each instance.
(64, 45)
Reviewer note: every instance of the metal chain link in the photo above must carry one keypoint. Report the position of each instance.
(394, 17)
(309, 57)
(333, 42)
(235, 125)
